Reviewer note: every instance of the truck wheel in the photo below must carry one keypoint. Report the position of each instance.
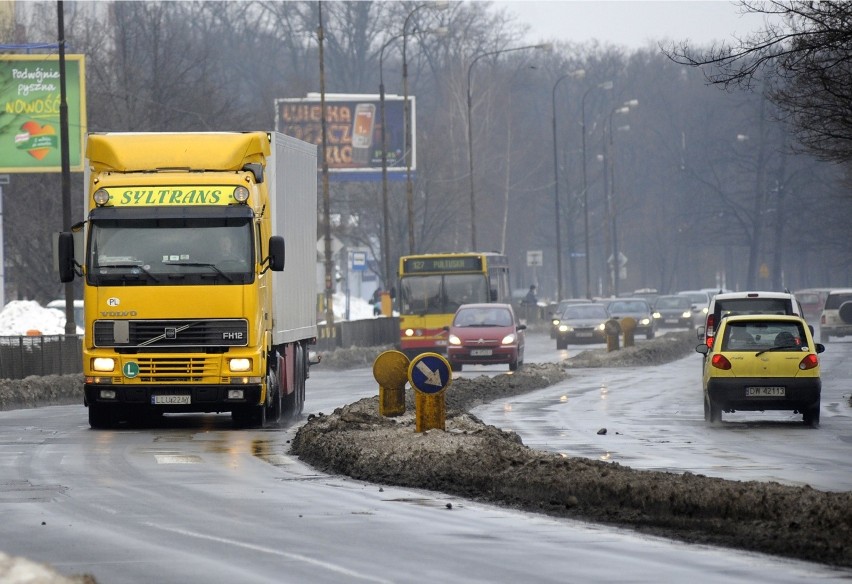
(274, 388)
(249, 416)
(100, 416)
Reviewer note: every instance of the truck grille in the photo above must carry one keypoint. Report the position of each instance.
(158, 334)
(177, 369)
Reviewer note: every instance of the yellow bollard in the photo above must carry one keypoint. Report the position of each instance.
(612, 329)
(431, 411)
(390, 370)
(429, 375)
(628, 327)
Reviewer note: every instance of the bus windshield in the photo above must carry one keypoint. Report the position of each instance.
(441, 294)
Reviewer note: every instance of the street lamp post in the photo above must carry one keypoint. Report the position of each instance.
(605, 85)
(385, 227)
(409, 188)
(470, 130)
(575, 74)
(616, 266)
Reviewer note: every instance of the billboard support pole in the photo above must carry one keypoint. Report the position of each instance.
(70, 325)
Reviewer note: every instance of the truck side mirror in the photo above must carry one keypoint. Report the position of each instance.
(276, 253)
(65, 257)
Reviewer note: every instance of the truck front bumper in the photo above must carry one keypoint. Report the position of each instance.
(174, 398)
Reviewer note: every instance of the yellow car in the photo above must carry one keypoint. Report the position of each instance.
(762, 362)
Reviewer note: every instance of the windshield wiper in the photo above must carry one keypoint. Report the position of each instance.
(130, 265)
(201, 265)
(778, 348)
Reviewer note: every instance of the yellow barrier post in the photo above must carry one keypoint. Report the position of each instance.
(628, 326)
(390, 370)
(612, 329)
(430, 375)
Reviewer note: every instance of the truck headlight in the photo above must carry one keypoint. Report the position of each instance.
(241, 194)
(103, 364)
(101, 197)
(237, 365)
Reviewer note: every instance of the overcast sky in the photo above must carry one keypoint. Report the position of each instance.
(633, 23)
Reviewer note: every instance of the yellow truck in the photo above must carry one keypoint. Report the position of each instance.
(189, 304)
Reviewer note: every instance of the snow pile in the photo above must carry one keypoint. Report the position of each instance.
(20, 317)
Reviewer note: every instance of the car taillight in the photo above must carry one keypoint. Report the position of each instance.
(709, 329)
(822, 319)
(720, 362)
(809, 362)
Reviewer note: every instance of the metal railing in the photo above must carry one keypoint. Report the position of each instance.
(371, 332)
(23, 356)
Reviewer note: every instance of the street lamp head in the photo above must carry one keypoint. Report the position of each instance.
(544, 46)
(579, 74)
(622, 110)
(605, 85)
(439, 4)
(631, 103)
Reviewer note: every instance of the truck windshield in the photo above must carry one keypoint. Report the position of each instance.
(170, 251)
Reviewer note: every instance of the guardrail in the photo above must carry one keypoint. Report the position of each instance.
(371, 332)
(23, 356)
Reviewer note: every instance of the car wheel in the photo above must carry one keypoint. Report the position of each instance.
(561, 344)
(811, 416)
(455, 366)
(712, 411)
(650, 334)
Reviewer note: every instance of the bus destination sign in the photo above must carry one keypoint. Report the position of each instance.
(442, 264)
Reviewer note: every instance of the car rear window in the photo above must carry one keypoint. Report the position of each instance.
(764, 335)
(754, 306)
(834, 301)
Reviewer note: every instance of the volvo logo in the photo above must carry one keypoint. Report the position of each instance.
(117, 313)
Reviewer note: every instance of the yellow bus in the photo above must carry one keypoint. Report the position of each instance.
(433, 286)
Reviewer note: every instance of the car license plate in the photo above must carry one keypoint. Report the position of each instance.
(170, 400)
(773, 391)
(671, 321)
(480, 352)
(586, 334)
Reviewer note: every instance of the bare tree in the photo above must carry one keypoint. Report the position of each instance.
(803, 57)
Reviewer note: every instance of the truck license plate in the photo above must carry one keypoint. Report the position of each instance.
(170, 400)
(773, 391)
(480, 352)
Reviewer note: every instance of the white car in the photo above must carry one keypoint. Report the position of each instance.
(755, 302)
(836, 318)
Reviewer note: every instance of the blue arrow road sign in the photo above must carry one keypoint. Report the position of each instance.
(429, 373)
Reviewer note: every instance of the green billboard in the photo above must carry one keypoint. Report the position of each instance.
(29, 112)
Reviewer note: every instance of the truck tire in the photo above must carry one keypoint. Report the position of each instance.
(101, 416)
(274, 388)
(249, 416)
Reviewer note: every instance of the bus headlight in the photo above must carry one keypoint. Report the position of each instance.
(103, 364)
(238, 365)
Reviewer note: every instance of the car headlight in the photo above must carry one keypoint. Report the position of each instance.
(657, 315)
(555, 322)
(601, 326)
(564, 328)
(645, 321)
(508, 339)
(687, 314)
(454, 340)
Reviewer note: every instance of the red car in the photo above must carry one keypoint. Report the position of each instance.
(482, 334)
